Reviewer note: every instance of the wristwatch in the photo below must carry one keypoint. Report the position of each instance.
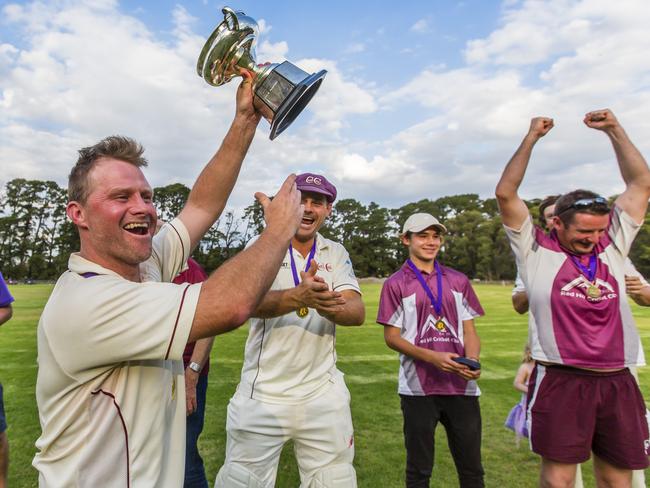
(196, 367)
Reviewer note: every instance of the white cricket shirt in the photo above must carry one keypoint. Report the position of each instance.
(289, 359)
(110, 388)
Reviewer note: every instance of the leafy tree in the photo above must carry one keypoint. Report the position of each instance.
(170, 200)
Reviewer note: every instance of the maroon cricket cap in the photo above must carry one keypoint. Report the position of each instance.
(317, 184)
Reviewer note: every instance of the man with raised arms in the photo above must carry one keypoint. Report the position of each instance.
(582, 397)
(636, 287)
(290, 387)
(110, 387)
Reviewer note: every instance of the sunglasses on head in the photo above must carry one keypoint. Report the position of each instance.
(596, 203)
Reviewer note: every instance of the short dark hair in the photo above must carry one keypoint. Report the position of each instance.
(115, 147)
(565, 209)
(543, 205)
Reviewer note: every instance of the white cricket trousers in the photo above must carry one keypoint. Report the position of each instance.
(321, 430)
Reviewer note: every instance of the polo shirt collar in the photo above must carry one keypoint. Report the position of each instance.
(407, 269)
(81, 265)
(321, 243)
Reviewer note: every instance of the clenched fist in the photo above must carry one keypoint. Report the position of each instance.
(601, 119)
(539, 126)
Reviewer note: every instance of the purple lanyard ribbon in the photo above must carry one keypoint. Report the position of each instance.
(435, 302)
(294, 271)
(590, 270)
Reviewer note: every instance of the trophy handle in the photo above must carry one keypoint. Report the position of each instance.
(230, 17)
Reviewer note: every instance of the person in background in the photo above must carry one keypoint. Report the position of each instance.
(516, 420)
(196, 360)
(6, 312)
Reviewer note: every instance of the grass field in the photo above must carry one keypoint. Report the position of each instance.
(371, 374)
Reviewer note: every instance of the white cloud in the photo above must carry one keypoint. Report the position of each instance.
(89, 70)
(553, 58)
(420, 26)
(269, 52)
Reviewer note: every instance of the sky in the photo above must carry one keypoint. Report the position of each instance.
(421, 99)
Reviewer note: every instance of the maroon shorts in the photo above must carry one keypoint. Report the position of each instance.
(572, 412)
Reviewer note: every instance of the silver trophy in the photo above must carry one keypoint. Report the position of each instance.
(281, 91)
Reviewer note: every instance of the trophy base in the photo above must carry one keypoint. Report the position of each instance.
(295, 102)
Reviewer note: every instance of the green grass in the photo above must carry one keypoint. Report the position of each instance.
(371, 374)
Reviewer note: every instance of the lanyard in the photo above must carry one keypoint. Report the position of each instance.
(435, 302)
(590, 270)
(294, 271)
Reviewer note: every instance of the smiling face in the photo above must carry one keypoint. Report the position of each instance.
(317, 209)
(423, 246)
(117, 221)
(582, 233)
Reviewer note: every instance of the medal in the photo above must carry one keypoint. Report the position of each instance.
(436, 303)
(302, 312)
(593, 291)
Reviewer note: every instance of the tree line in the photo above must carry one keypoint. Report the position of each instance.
(36, 237)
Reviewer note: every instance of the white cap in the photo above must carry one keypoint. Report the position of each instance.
(420, 221)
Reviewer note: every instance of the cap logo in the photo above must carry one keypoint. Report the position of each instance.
(313, 179)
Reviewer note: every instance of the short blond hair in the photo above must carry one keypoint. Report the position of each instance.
(116, 147)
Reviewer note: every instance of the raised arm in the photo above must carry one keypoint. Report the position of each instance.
(512, 208)
(233, 292)
(633, 167)
(213, 186)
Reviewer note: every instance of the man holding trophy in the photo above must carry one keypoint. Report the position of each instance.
(110, 387)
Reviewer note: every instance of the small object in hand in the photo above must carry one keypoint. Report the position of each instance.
(470, 363)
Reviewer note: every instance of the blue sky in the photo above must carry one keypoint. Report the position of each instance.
(421, 100)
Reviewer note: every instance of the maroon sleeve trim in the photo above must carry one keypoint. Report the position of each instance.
(126, 433)
(180, 240)
(178, 316)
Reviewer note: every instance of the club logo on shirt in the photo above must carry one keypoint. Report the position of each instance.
(437, 331)
(581, 283)
(327, 267)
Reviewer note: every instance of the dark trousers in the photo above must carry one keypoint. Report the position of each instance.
(461, 417)
(194, 470)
